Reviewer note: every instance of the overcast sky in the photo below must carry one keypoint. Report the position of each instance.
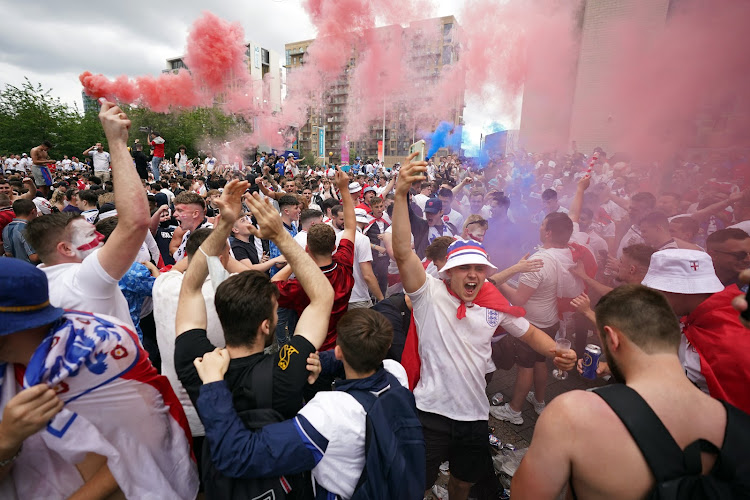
(52, 42)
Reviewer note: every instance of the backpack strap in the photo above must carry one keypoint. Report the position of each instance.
(366, 399)
(663, 455)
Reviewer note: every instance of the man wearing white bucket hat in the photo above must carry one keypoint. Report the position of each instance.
(455, 318)
(715, 345)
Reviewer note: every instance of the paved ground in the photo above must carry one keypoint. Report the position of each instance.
(520, 435)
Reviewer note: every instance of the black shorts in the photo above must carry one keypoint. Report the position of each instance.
(464, 444)
(526, 356)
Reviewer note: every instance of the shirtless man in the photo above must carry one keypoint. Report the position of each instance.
(40, 159)
(579, 442)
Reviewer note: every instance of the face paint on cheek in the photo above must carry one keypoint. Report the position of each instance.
(93, 243)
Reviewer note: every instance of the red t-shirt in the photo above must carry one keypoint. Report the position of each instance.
(6, 216)
(341, 275)
(158, 149)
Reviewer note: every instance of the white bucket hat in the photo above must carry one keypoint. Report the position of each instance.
(682, 271)
(462, 252)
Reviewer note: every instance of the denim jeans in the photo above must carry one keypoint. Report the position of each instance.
(286, 325)
(155, 162)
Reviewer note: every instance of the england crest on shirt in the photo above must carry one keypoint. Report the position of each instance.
(493, 318)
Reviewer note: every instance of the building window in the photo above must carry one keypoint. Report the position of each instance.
(447, 53)
(288, 57)
(264, 56)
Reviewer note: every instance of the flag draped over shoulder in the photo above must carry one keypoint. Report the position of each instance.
(116, 405)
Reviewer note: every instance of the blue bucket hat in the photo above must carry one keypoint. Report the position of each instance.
(24, 297)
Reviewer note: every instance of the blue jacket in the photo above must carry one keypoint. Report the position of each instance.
(287, 447)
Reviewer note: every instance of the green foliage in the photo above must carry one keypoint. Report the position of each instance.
(30, 115)
(309, 159)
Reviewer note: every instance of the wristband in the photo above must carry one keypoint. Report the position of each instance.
(8, 461)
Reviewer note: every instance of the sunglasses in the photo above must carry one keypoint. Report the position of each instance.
(739, 255)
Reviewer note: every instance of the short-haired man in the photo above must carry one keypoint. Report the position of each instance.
(14, 242)
(455, 345)
(433, 213)
(714, 342)
(425, 191)
(190, 213)
(655, 231)
(502, 236)
(103, 423)
(375, 229)
(730, 252)
(451, 215)
(157, 142)
(6, 208)
(101, 159)
(40, 167)
(475, 228)
(550, 205)
(289, 208)
(246, 305)
(684, 230)
(307, 219)
(337, 267)
(83, 273)
(365, 281)
(596, 456)
(87, 204)
(640, 205)
(180, 160)
(538, 292)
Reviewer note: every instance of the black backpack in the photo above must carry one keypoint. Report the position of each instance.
(394, 445)
(253, 406)
(677, 472)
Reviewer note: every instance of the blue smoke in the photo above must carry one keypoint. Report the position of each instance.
(446, 135)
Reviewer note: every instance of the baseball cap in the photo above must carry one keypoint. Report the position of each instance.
(361, 215)
(290, 155)
(24, 297)
(433, 206)
(161, 199)
(368, 189)
(682, 271)
(24, 154)
(354, 187)
(463, 252)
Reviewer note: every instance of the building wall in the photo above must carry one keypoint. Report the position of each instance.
(591, 120)
(578, 112)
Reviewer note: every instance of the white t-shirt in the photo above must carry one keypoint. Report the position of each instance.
(455, 353)
(301, 238)
(541, 308)
(420, 199)
(86, 286)
(632, 237)
(362, 253)
(166, 294)
(101, 160)
(455, 218)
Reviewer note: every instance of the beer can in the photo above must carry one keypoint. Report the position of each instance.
(495, 442)
(497, 399)
(591, 360)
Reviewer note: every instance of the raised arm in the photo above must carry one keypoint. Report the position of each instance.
(522, 266)
(350, 220)
(313, 323)
(577, 203)
(409, 266)
(118, 254)
(263, 189)
(191, 308)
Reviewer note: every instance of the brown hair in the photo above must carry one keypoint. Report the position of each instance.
(44, 233)
(243, 302)
(438, 249)
(321, 239)
(643, 315)
(364, 336)
(189, 198)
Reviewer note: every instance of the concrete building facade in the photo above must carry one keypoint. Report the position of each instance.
(435, 47)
